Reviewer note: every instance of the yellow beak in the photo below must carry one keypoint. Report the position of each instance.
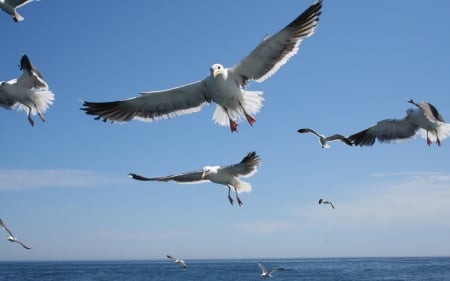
(215, 73)
(203, 175)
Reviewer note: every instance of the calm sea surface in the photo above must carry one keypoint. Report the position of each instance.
(294, 269)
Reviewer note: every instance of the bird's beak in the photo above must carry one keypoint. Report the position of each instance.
(215, 72)
(203, 175)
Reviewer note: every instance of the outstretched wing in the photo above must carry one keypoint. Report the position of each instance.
(247, 167)
(308, 130)
(6, 228)
(263, 268)
(23, 245)
(389, 130)
(276, 50)
(31, 77)
(150, 106)
(191, 177)
(338, 137)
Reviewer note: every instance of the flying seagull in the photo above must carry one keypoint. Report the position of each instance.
(29, 92)
(225, 175)
(224, 86)
(180, 262)
(11, 237)
(321, 201)
(267, 273)
(425, 119)
(323, 140)
(10, 6)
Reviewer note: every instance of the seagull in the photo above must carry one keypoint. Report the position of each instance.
(425, 118)
(10, 6)
(323, 140)
(321, 201)
(224, 86)
(29, 92)
(267, 273)
(11, 237)
(225, 175)
(178, 261)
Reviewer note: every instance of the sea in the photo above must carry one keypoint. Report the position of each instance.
(317, 269)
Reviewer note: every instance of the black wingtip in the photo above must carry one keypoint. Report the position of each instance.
(25, 64)
(138, 177)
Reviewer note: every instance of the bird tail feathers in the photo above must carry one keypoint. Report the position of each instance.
(251, 104)
(442, 133)
(41, 101)
(243, 187)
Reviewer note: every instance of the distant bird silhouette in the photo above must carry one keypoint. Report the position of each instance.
(324, 140)
(425, 119)
(10, 6)
(180, 262)
(267, 273)
(225, 175)
(29, 92)
(11, 236)
(321, 201)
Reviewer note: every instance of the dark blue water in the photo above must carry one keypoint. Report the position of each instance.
(429, 269)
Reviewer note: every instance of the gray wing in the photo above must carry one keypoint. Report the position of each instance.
(23, 245)
(191, 177)
(18, 3)
(308, 130)
(31, 77)
(151, 106)
(246, 167)
(389, 130)
(338, 137)
(275, 51)
(430, 111)
(6, 228)
(263, 268)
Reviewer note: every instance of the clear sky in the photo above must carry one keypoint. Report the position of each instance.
(64, 188)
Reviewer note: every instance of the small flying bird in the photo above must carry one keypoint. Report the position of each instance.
(180, 262)
(10, 6)
(29, 92)
(224, 86)
(268, 273)
(324, 140)
(225, 175)
(425, 119)
(321, 201)
(11, 237)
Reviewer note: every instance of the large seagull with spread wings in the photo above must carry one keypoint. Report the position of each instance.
(224, 86)
(225, 175)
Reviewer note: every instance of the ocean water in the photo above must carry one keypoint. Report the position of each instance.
(429, 269)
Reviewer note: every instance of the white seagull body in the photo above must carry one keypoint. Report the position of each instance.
(267, 273)
(224, 86)
(10, 6)
(321, 201)
(225, 175)
(324, 140)
(180, 262)
(424, 119)
(29, 92)
(11, 237)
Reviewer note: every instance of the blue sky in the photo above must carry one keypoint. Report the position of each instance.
(64, 188)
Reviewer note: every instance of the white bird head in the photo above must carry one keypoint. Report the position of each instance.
(217, 69)
(209, 170)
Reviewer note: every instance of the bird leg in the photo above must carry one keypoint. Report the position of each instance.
(438, 141)
(41, 116)
(249, 118)
(229, 195)
(237, 197)
(233, 126)
(29, 117)
(428, 139)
